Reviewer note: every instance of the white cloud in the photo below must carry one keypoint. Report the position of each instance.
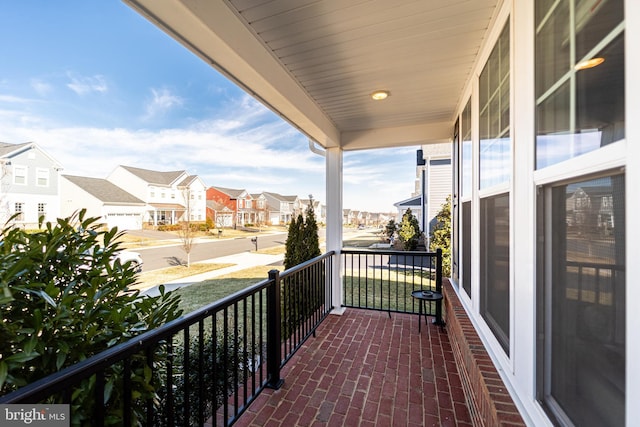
(83, 85)
(269, 157)
(42, 88)
(11, 99)
(163, 100)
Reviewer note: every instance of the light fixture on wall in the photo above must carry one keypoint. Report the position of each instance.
(589, 63)
(379, 95)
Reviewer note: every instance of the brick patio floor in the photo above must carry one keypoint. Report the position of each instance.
(366, 369)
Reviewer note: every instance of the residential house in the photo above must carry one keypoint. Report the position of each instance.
(221, 215)
(538, 98)
(317, 208)
(433, 182)
(101, 199)
(260, 208)
(281, 209)
(238, 200)
(29, 184)
(414, 203)
(169, 195)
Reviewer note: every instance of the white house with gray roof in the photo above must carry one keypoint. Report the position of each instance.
(29, 184)
(103, 199)
(169, 196)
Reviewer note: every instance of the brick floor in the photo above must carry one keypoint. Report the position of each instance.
(366, 369)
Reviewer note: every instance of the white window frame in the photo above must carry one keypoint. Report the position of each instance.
(42, 173)
(21, 168)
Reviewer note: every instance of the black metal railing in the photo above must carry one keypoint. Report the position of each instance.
(204, 368)
(384, 279)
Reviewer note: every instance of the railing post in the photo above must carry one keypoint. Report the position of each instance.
(274, 336)
(438, 320)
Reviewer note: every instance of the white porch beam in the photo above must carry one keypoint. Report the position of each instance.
(397, 136)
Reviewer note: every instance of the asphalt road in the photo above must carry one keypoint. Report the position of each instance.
(166, 256)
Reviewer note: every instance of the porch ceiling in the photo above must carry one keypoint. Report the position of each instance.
(316, 62)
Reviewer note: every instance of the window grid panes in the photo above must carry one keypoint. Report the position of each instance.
(19, 210)
(579, 108)
(466, 151)
(42, 177)
(495, 142)
(42, 210)
(20, 175)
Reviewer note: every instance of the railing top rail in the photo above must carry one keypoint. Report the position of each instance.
(386, 252)
(306, 264)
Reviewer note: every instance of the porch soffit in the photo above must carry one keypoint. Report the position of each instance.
(316, 62)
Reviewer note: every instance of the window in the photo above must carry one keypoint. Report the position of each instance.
(466, 152)
(495, 142)
(42, 177)
(18, 208)
(582, 301)
(579, 108)
(173, 195)
(20, 175)
(494, 266)
(152, 192)
(42, 210)
(495, 174)
(466, 247)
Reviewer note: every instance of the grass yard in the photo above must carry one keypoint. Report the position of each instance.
(200, 294)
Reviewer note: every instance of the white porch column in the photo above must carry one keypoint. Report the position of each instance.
(334, 222)
(632, 102)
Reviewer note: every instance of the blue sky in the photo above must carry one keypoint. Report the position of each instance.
(96, 86)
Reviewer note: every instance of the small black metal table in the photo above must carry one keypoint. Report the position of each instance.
(423, 298)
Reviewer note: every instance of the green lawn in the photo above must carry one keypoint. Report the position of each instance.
(200, 294)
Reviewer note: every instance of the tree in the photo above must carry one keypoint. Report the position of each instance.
(441, 236)
(311, 244)
(390, 229)
(63, 300)
(186, 232)
(292, 255)
(409, 231)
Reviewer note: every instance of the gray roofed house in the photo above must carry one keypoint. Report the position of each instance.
(103, 199)
(29, 188)
(156, 177)
(281, 209)
(170, 196)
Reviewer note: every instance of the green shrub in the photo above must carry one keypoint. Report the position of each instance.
(232, 366)
(409, 231)
(302, 245)
(62, 300)
(441, 236)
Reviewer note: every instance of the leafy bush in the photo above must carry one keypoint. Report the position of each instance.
(63, 300)
(232, 366)
(409, 231)
(441, 236)
(170, 227)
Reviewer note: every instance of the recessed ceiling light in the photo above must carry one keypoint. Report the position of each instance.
(589, 63)
(379, 95)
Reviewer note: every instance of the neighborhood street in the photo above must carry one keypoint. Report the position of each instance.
(157, 257)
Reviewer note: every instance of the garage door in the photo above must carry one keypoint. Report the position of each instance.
(124, 221)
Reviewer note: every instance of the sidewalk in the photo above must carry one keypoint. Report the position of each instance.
(241, 260)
